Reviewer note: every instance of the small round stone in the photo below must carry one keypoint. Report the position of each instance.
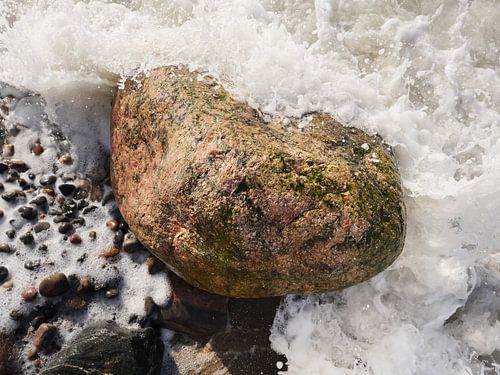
(4, 273)
(42, 247)
(37, 149)
(92, 235)
(29, 294)
(66, 189)
(66, 159)
(5, 247)
(65, 228)
(54, 285)
(28, 212)
(11, 233)
(32, 264)
(111, 252)
(75, 238)
(48, 180)
(41, 226)
(112, 224)
(112, 293)
(27, 238)
(31, 176)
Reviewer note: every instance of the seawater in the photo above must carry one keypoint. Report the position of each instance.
(423, 74)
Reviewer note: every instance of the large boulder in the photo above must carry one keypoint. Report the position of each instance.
(246, 205)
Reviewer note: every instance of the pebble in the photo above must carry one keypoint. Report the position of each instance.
(8, 150)
(1, 213)
(28, 212)
(92, 235)
(3, 167)
(5, 247)
(4, 273)
(49, 191)
(66, 189)
(37, 149)
(131, 244)
(65, 228)
(31, 176)
(111, 252)
(75, 239)
(54, 211)
(48, 180)
(118, 237)
(17, 165)
(38, 321)
(89, 209)
(112, 293)
(29, 294)
(154, 265)
(8, 284)
(27, 238)
(41, 226)
(112, 224)
(39, 200)
(82, 204)
(9, 196)
(85, 283)
(66, 159)
(32, 264)
(42, 247)
(11, 233)
(54, 285)
(61, 219)
(45, 335)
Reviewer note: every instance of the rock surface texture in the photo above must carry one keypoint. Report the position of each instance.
(105, 348)
(244, 206)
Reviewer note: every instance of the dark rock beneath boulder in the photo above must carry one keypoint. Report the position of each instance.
(106, 348)
(245, 207)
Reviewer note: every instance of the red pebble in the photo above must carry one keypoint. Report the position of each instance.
(75, 239)
(37, 149)
(112, 224)
(29, 294)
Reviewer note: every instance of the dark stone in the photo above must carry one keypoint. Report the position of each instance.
(28, 212)
(39, 201)
(66, 189)
(118, 237)
(112, 293)
(54, 285)
(89, 209)
(48, 180)
(65, 228)
(17, 165)
(32, 264)
(10, 196)
(106, 348)
(42, 247)
(5, 247)
(27, 238)
(7, 364)
(41, 226)
(4, 273)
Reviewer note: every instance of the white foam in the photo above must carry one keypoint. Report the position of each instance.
(433, 94)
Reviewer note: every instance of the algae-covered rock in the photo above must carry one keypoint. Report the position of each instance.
(105, 348)
(247, 207)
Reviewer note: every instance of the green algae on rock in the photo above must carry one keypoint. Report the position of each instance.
(247, 207)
